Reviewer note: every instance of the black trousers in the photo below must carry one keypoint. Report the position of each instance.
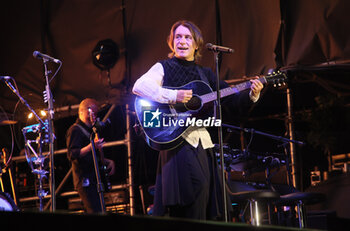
(90, 198)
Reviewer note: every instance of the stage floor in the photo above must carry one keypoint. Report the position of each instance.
(66, 221)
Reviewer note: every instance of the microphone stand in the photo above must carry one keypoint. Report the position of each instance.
(221, 147)
(100, 186)
(49, 99)
(251, 130)
(15, 90)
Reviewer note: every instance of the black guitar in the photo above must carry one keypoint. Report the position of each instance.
(102, 167)
(164, 124)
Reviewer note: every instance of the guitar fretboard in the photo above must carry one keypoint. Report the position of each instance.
(229, 91)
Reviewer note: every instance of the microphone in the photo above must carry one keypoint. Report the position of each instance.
(5, 78)
(38, 55)
(217, 48)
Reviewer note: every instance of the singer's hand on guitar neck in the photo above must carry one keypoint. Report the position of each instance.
(183, 96)
(256, 87)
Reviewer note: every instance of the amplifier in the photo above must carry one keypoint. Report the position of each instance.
(114, 201)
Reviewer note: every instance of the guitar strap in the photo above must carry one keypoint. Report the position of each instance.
(86, 133)
(203, 77)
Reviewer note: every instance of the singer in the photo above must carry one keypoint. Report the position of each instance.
(80, 155)
(187, 182)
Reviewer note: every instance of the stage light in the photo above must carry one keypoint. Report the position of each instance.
(42, 113)
(30, 115)
(105, 54)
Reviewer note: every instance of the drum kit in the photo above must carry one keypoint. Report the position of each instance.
(36, 141)
(37, 136)
(6, 202)
(7, 122)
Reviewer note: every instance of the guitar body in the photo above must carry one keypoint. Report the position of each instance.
(104, 175)
(105, 178)
(167, 137)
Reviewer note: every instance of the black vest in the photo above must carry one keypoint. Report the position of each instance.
(178, 72)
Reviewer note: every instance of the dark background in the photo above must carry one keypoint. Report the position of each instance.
(309, 40)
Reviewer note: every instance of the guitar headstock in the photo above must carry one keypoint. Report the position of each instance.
(276, 78)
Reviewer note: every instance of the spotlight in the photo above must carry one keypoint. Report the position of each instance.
(105, 54)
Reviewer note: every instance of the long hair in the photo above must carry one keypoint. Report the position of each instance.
(195, 32)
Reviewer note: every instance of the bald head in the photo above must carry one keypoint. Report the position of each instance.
(84, 112)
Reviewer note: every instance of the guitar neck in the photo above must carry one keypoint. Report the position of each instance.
(229, 91)
(100, 149)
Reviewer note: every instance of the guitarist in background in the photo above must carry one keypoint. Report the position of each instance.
(80, 155)
(187, 183)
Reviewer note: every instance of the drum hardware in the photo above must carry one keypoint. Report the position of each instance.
(7, 122)
(43, 131)
(5, 117)
(6, 203)
(48, 124)
(7, 168)
(36, 139)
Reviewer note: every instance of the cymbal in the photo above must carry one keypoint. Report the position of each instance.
(7, 122)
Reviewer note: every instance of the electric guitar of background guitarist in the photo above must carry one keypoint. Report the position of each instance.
(161, 133)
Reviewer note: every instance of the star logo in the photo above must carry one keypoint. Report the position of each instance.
(156, 114)
(151, 118)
